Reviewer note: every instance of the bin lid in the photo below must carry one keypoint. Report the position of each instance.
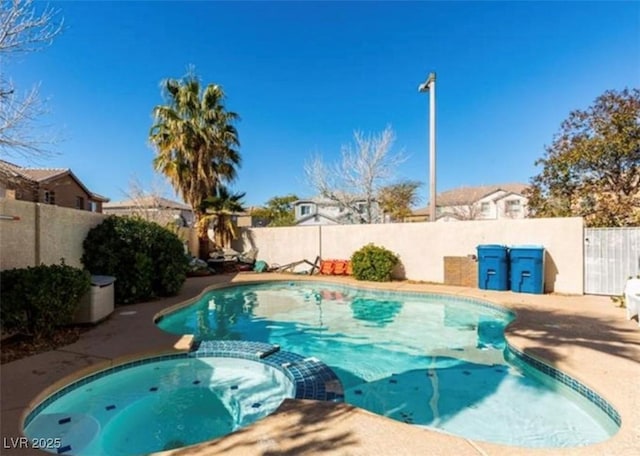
(491, 246)
(527, 247)
(102, 280)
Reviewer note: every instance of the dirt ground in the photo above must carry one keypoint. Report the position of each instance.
(20, 346)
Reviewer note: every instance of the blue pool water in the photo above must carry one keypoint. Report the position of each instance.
(422, 359)
(160, 405)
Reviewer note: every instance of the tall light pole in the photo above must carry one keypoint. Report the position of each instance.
(430, 86)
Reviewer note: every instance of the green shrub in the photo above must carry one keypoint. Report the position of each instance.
(147, 259)
(36, 300)
(373, 263)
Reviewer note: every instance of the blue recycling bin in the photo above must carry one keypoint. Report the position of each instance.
(527, 269)
(493, 269)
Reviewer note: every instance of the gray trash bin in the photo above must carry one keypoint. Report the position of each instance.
(97, 303)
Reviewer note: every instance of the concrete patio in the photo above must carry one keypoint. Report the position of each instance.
(587, 337)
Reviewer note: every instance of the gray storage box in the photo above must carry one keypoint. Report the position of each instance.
(97, 303)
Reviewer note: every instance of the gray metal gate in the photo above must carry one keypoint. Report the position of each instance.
(611, 255)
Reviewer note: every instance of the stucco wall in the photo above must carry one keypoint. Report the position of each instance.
(281, 245)
(17, 237)
(44, 234)
(423, 246)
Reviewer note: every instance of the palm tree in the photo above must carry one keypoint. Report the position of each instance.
(195, 140)
(220, 209)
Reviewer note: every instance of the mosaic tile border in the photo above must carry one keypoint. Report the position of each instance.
(566, 380)
(312, 379)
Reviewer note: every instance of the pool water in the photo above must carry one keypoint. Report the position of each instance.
(161, 405)
(423, 359)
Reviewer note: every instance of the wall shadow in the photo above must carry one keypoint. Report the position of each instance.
(298, 429)
(550, 273)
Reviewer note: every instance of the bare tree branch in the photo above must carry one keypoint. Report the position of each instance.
(23, 29)
(363, 170)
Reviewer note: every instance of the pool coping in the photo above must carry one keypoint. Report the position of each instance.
(608, 365)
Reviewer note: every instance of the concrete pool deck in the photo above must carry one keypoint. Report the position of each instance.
(586, 337)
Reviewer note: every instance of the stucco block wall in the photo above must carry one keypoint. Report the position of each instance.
(423, 246)
(44, 234)
(62, 231)
(17, 237)
(281, 245)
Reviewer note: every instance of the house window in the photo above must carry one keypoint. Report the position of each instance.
(50, 197)
(79, 202)
(485, 208)
(305, 209)
(361, 207)
(93, 206)
(512, 207)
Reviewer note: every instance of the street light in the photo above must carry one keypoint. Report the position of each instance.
(430, 85)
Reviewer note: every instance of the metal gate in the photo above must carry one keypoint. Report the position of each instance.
(611, 256)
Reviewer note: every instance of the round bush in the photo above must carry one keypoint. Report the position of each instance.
(37, 299)
(147, 259)
(373, 263)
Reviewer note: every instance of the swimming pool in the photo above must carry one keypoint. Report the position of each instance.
(426, 360)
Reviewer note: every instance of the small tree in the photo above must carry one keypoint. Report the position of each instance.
(396, 200)
(278, 211)
(363, 170)
(592, 168)
(220, 209)
(148, 204)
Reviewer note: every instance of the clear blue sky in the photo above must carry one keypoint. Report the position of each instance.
(303, 76)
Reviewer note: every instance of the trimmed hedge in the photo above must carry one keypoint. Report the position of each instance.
(147, 259)
(373, 263)
(36, 300)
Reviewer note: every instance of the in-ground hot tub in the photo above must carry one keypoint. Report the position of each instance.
(171, 401)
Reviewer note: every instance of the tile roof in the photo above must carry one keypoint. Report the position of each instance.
(462, 196)
(148, 202)
(41, 175)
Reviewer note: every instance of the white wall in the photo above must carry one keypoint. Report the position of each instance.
(422, 246)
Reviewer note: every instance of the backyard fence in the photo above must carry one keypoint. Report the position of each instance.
(611, 256)
(35, 233)
(593, 260)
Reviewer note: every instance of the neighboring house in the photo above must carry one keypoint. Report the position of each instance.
(248, 219)
(322, 211)
(155, 209)
(487, 202)
(57, 186)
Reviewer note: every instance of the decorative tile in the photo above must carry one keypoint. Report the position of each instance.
(567, 380)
